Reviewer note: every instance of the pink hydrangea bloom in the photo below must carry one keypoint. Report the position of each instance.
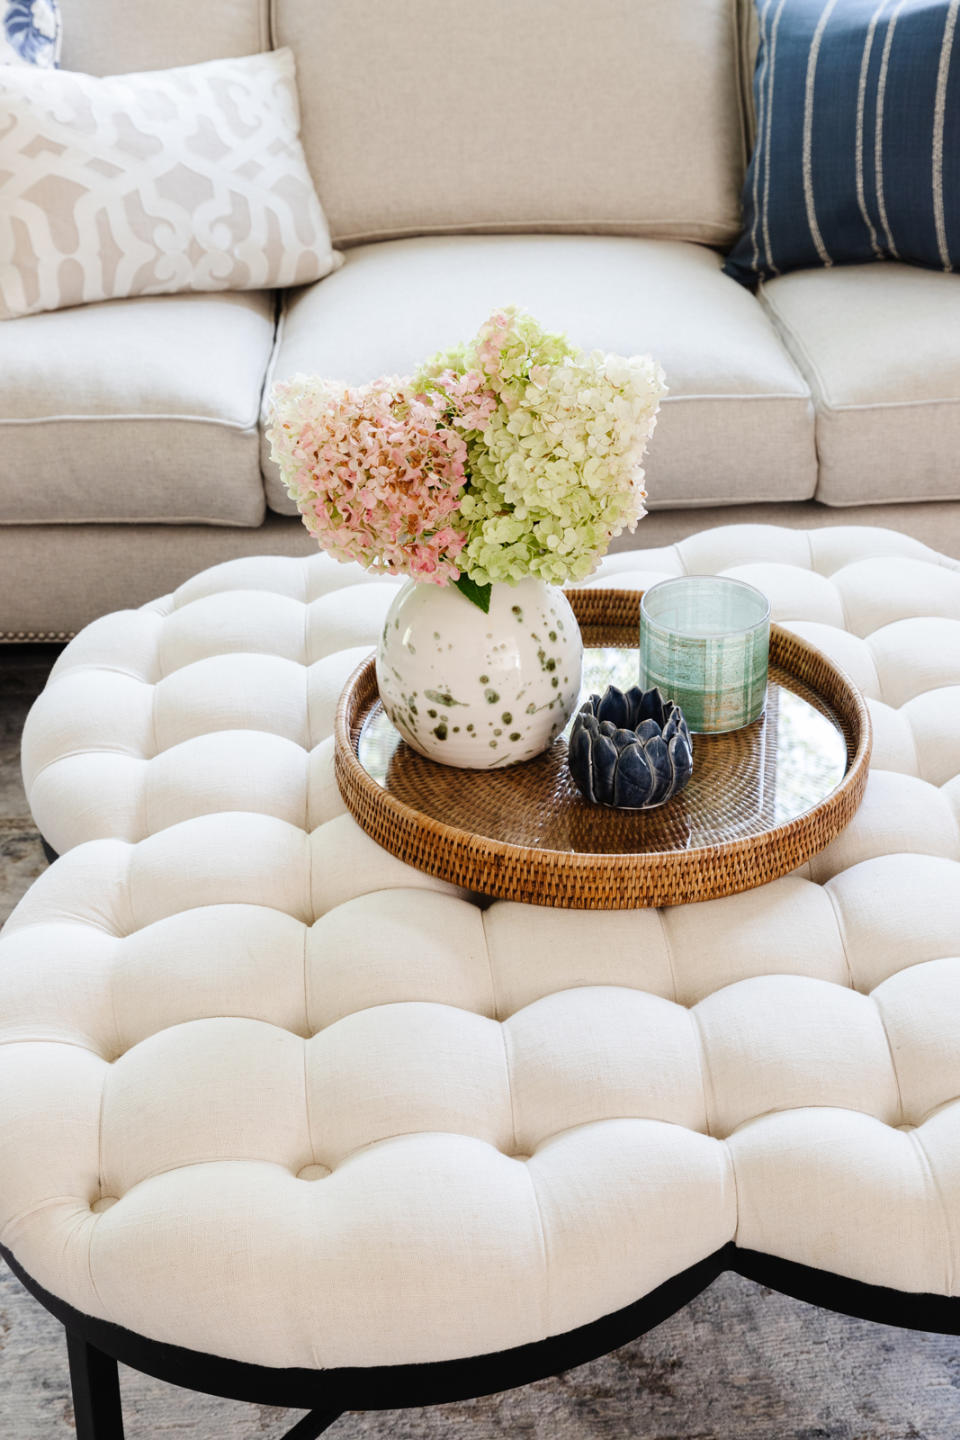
(466, 402)
(376, 470)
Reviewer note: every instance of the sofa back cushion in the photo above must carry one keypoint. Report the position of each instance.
(749, 23)
(111, 37)
(617, 116)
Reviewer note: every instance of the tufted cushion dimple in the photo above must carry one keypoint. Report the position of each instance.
(252, 1066)
(222, 695)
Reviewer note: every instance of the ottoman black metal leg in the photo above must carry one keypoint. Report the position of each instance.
(96, 1391)
(313, 1425)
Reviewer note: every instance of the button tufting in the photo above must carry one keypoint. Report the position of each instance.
(313, 1172)
(632, 1048)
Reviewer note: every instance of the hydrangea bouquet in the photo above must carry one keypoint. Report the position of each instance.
(515, 455)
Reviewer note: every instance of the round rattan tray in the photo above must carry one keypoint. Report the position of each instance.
(760, 802)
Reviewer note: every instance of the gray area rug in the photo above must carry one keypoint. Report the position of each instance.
(739, 1363)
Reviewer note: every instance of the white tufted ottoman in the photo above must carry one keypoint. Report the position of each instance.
(285, 1119)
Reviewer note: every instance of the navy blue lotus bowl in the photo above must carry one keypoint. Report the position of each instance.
(630, 749)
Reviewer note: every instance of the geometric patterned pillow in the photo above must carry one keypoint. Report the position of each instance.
(29, 33)
(186, 179)
(857, 156)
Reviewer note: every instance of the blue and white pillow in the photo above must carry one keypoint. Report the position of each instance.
(30, 33)
(857, 156)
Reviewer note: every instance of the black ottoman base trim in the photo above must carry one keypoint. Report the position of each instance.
(909, 1310)
(382, 1387)
(399, 1386)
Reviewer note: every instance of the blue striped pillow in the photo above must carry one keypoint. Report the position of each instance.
(858, 137)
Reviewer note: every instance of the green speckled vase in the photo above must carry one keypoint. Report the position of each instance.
(480, 691)
(704, 642)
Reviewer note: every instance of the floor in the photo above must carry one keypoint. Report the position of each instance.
(740, 1363)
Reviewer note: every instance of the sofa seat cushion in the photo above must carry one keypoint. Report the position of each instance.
(252, 1065)
(879, 345)
(737, 425)
(140, 409)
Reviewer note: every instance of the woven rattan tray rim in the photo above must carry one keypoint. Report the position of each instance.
(586, 880)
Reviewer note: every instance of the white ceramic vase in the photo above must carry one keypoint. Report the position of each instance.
(474, 690)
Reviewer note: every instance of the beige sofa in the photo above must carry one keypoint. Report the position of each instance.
(585, 161)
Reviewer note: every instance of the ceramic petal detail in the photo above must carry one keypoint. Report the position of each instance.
(630, 749)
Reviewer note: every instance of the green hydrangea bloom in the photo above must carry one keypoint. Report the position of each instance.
(554, 473)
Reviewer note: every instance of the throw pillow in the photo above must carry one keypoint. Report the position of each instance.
(858, 137)
(184, 179)
(29, 33)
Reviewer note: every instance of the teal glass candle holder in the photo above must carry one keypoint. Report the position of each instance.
(704, 642)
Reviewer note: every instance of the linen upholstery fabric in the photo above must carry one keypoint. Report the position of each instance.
(748, 26)
(97, 425)
(253, 1065)
(551, 115)
(737, 425)
(29, 32)
(91, 569)
(170, 180)
(107, 37)
(858, 120)
(880, 348)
